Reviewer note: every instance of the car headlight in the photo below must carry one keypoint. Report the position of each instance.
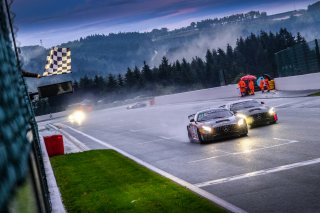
(206, 129)
(241, 116)
(272, 111)
(77, 116)
(71, 118)
(241, 122)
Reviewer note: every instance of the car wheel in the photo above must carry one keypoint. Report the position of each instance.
(189, 136)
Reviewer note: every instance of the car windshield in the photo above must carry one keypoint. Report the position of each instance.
(213, 114)
(244, 105)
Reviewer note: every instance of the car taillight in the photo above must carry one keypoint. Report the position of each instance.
(275, 116)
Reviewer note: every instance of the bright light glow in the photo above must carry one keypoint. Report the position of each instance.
(247, 146)
(241, 116)
(271, 111)
(71, 119)
(249, 120)
(241, 122)
(206, 128)
(77, 117)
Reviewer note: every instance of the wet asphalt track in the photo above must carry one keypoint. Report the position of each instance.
(275, 169)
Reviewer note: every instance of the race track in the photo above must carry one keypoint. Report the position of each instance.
(276, 168)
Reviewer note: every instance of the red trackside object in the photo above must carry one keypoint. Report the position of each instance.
(54, 145)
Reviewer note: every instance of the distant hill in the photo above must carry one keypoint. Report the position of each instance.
(113, 53)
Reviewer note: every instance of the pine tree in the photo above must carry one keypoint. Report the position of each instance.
(177, 73)
(146, 73)
(129, 79)
(75, 85)
(300, 39)
(210, 74)
(164, 71)
(112, 83)
(99, 83)
(120, 81)
(186, 75)
(139, 82)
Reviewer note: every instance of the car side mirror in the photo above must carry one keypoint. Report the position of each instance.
(192, 120)
(262, 102)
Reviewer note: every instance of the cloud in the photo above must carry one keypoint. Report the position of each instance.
(71, 19)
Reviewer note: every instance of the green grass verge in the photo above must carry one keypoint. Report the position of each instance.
(315, 94)
(105, 181)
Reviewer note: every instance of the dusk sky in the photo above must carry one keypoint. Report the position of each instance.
(59, 21)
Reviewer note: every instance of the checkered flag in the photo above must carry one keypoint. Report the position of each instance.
(58, 61)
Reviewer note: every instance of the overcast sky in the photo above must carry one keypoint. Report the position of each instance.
(57, 21)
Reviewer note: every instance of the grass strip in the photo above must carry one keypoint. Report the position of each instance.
(106, 181)
(315, 94)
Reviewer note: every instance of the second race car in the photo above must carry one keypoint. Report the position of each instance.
(137, 105)
(256, 113)
(212, 124)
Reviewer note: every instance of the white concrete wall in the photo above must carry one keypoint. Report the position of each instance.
(299, 82)
(54, 115)
(199, 95)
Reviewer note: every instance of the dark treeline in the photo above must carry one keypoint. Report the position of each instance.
(251, 55)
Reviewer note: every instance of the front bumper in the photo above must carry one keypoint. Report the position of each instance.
(261, 118)
(225, 131)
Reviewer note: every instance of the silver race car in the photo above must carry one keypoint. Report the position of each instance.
(217, 123)
(137, 105)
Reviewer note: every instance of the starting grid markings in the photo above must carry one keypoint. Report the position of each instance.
(259, 173)
(248, 151)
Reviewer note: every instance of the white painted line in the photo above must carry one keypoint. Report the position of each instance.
(169, 138)
(72, 139)
(281, 139)
(219, 150)
(201, 192)
(161, 138)
(289, 104)
(260, 172)
(280, 105)
(140, 130)
(165, 138)
(152, 141)
(244, 152)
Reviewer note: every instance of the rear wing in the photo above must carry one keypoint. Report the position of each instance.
(191, 117)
